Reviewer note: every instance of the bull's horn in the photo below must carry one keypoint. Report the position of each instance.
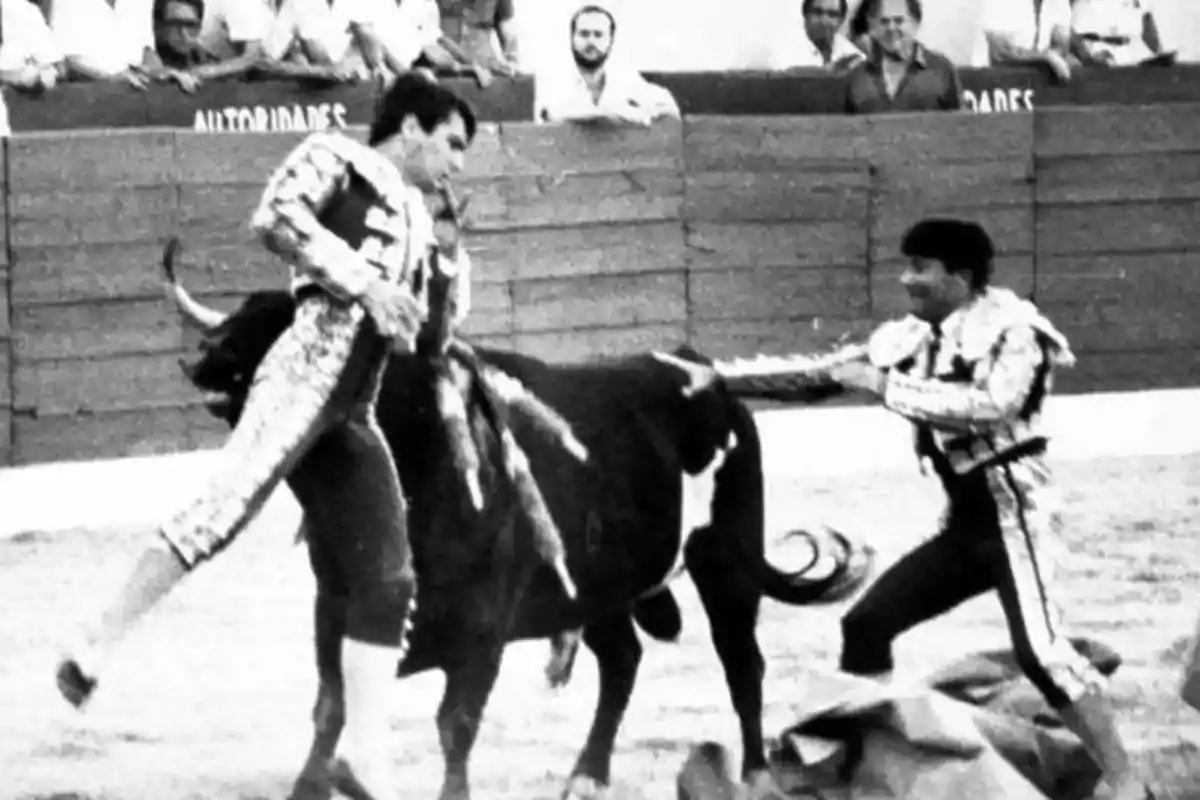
(196, 313)
(699, 376)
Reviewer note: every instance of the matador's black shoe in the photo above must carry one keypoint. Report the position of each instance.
(75, 685)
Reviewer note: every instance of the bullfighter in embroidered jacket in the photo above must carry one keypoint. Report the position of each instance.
(970, 367)
(351, 220)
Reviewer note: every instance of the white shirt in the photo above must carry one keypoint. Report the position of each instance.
(106, 38)
(801, 52)
(324, 24)
(1113, 18)
(1017, 19)
(407, 28)
(27, 37)
(226, 22)
(562, 97)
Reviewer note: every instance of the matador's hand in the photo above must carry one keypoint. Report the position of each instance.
(395, 311)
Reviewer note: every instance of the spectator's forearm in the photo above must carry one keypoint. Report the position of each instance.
(1003, 50)
(80, 67)
(1150, 33)
(237, 66)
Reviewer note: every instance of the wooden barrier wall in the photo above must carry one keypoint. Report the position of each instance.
(739, 235)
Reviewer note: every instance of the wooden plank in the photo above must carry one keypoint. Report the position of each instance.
(245, 158)
(778, 336)
(888, 298)
(1113, 130)
(115, 434)
(786, 292)
(109, 384)
(1011, 227)
(912, 138)
(828, 194)
(5, 302)
(797, 244)
(132, 270)
(1142, 280)
(217, 213)
(92, 217)
(600, 301)
(765, 144)
(634, 196)
(967, 183)
(6, 366)
(565, 252)
(491, 310)
(1131, 371)
(561, 149)
(1117, 227)
(102, 160)
(1114, 327)
(6, 438)
(95, 330)
(1113, 178)
(587, 344)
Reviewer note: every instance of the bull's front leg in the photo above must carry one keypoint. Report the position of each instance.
(329, 713)
(618, 656)
(468, 686)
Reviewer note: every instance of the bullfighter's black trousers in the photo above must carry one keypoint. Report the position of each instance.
(314, 396)
(1000, 531)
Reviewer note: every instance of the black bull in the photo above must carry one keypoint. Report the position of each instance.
(480, 585)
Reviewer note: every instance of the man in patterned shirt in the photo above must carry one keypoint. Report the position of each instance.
(971, 367)
(352, 222)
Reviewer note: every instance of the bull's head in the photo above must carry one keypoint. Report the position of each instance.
(231, 345)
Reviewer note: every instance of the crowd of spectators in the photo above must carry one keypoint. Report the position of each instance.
(875, 44)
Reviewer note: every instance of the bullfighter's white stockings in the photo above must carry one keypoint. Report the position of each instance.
(369, 674)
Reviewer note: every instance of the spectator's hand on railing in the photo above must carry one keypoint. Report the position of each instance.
(186, 81)
(1058, 65)
(135, 77)
(483, 76)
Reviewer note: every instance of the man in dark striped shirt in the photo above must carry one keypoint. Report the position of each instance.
(900, 73)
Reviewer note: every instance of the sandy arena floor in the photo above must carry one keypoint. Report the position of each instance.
(211, 699)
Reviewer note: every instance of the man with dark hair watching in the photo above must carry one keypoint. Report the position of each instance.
(820, 42)
(597, 86)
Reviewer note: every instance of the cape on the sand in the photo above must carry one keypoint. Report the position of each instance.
(976, 728)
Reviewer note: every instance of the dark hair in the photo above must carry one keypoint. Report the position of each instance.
(869, 8)
(806, 9)
(961, 246)
(432, 103)
(592, 9)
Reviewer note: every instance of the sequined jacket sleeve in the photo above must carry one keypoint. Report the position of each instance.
(286, 219)
(998, 392)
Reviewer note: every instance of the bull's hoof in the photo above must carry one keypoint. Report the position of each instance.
(761, 785)
(706, 775)
(311, 787)
(564, 647)
(583, 787)
(348, 784)
(75, 685)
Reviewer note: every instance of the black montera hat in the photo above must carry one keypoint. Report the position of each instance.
(959, 244)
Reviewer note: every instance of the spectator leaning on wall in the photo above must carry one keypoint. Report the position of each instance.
(1116, 33)
(1029, 32)
(30, 60)
(336, 40)
(438, 51)
(106, 39)
(489, 34)
(819, 42)
(202, 40)
(598, 87)
(900, 74)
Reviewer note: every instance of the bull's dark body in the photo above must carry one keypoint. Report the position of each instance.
(480, 583)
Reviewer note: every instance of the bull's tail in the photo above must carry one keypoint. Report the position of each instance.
(853, 565)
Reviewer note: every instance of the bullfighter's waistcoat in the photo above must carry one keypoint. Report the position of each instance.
(974, 386)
